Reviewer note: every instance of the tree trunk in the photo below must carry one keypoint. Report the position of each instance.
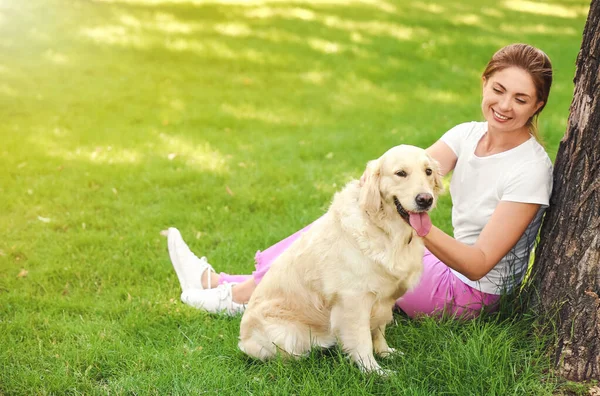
(567, 264)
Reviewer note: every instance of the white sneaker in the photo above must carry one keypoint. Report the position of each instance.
(217, 300)
(188, 266)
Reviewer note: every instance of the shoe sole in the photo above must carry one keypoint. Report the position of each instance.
(187, 298)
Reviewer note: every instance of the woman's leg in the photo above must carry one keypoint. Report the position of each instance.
(227, 278)
(228, 293)
(441, 292)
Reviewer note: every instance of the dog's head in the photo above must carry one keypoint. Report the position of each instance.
(406, 179)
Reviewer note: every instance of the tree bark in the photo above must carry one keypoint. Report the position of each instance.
(567, 265)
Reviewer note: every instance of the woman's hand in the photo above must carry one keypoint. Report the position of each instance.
(507, 224)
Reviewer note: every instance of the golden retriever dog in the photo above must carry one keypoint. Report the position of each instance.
(339, 281)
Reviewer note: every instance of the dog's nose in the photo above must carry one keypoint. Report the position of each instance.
(424, 201)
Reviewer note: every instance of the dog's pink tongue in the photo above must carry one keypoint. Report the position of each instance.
(420, 222)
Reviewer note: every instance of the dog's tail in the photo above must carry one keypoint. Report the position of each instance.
(253, 348)
(253, 340)
(263, 340)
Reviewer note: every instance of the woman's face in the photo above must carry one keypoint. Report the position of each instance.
(509, 99)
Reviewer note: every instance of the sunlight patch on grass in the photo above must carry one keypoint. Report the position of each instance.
(280, 36)
(182, 45)
(133, 32)
(561, 11)
(492, 12)
(289, 13)
(376, 28)
(56, 57)
(167, 23)
(431, 8)
(94, 155)
(196, 155)
(215, 48)
(171, 109)
(378, 4)
(6, 90)
(381, 5)
(174, 104)
(55, 143)
(223, 51)
(250, 112)
(170, 147)
(324, 46)
(538, 29)
(315, 77)
(358, 38)
(130, 20)
(114, 35)
(162, 22)
(467, 19)
(330, 47)
(233, 29)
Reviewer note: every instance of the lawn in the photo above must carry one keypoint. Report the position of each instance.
(235, 121)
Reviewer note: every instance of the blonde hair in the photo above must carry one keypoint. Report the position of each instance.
(535, 62)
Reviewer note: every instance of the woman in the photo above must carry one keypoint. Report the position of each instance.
(500, 187)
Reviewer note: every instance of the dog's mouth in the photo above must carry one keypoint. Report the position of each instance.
(420, 221)
(401, 211)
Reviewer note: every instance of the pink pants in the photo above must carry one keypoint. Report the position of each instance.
(439, 292)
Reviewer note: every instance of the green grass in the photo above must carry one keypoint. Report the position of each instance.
(235, 121)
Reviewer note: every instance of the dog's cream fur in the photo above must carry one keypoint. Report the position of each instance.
(339, 281)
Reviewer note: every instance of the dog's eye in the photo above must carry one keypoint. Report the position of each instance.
(428, 172)
(401, 173)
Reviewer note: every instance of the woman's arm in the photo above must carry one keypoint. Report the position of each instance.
(444, 155)
(508, 222)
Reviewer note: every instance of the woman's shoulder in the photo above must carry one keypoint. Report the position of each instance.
(532, 162)
(536, 154)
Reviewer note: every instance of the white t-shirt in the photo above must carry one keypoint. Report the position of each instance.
(521, 174)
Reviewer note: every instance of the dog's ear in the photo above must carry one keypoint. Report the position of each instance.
(370, 196)
(438, 184)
